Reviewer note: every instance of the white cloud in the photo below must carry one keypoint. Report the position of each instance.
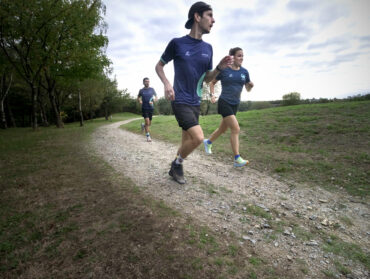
(320, 49)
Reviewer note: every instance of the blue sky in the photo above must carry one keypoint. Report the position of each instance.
(314, 47)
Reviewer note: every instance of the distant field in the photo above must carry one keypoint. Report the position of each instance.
(325, 145)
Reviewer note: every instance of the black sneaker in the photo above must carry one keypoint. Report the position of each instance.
(177, 173)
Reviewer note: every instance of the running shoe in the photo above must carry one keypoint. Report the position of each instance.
(142, 127)
(148, 139)
(177, 173)
(240, 162)
(207, 147)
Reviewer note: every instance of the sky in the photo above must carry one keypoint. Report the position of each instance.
(320, 49)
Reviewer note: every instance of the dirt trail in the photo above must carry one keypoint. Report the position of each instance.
(229, 200)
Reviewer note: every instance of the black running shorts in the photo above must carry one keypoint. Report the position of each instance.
(147, 113)
(225, 109)
(187, 116)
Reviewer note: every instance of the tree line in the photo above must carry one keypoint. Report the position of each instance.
(163, 106)
(53, 65)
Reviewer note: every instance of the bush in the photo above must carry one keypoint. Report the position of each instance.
(291, 99)
(164, 106)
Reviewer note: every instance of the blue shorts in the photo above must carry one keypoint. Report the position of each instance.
(187, 116)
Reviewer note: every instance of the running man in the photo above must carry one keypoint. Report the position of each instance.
(193, 64)
(146, 98)
(232, 80)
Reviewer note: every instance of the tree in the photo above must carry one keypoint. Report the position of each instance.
(129, 104)
(79, 53)
(291, 99)
(112, 101)
(46, 40)
(20, 26)
(164, 106)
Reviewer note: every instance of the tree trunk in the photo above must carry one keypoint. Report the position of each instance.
(59, 121)
(3, 119)
(53, 102)
(34, 107)
(80, 108)
(106, 112)
(10, 113)
(4, 92)
(44, 118)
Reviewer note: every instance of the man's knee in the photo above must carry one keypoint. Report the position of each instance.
(198, 140)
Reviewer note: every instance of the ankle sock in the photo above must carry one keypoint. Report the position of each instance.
(209, 142)
(236, 157)
(179, 160)
(147, 134)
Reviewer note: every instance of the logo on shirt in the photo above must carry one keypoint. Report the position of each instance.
(242, 76)
(205, 55)
(230, 75)
(187, 53)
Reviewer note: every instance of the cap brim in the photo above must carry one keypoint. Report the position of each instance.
(189, 23)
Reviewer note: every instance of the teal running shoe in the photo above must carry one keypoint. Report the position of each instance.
(240, 162)
(207, 147)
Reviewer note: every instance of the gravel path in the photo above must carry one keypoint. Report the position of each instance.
(288, 225)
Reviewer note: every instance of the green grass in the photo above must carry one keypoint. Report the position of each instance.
(347, 250)
(346, 220)
(257, 211)
(302, 233)
(341, 268)
(323, 145)
(255, 261)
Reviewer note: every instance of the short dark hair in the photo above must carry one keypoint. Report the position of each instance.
(145, 79)
(234, 50)
(199, 8)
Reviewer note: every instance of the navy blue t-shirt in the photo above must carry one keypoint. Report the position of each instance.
(232, 82)
(192, 58)
(146, 95)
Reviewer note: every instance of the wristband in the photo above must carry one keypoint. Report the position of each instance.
(218, 68)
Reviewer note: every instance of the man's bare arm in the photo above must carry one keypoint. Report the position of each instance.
(227, 61)
(168, 89)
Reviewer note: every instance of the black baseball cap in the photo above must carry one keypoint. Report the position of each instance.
(198, 7)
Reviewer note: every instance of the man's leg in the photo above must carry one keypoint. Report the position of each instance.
(147, 130)
(147, 125)
(186, 116)
(191, 139)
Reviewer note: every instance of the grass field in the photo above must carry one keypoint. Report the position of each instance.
(66, 214)
(326, 145)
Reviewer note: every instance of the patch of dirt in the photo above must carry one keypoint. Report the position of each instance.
(288, 224)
